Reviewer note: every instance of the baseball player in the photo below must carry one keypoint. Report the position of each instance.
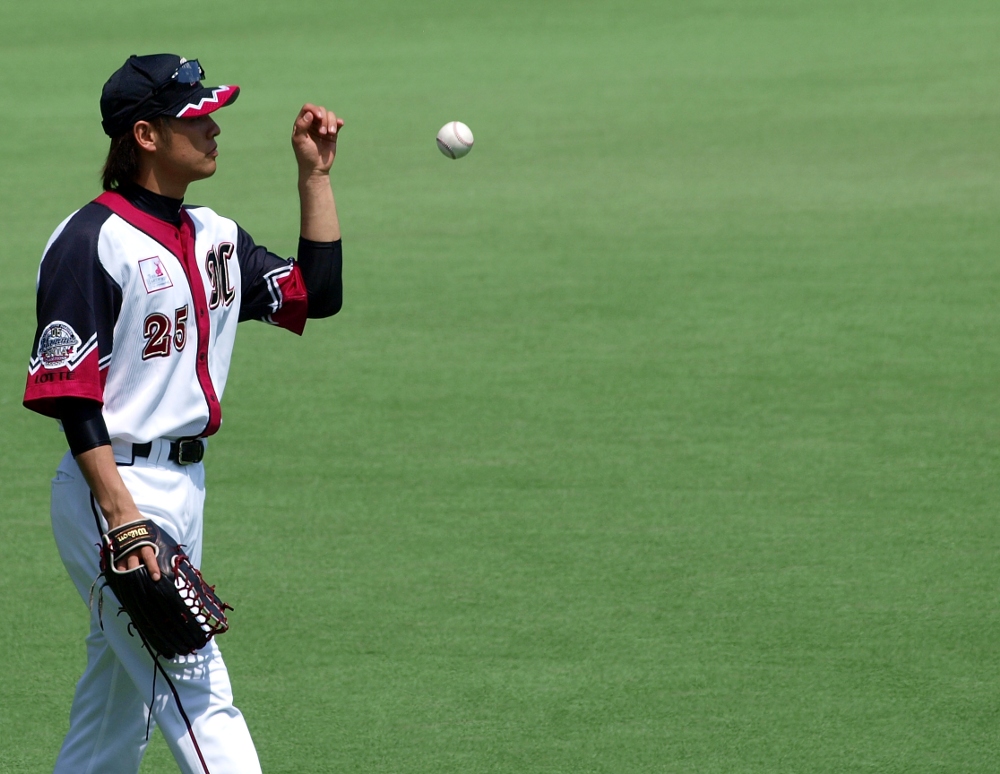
(138, 300)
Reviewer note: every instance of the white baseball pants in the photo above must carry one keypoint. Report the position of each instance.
(193, 700)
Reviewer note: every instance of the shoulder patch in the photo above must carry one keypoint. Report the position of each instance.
(58, 345)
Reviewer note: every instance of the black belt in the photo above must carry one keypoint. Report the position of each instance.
(187, 451)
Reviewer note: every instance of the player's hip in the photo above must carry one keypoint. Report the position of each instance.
(170, 494)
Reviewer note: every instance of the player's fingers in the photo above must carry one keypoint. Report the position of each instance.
(307, 115)
(303, 121)
(321, 119)
(314, 112)
(149, 559)
(323, 123)
(329, 127)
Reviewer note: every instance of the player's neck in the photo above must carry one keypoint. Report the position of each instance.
(154, 180)
(159, 206)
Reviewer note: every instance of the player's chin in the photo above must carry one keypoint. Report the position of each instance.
(207, 167)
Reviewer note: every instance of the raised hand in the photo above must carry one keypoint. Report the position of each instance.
(314, 139)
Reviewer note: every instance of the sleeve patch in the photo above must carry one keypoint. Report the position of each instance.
(59, 346)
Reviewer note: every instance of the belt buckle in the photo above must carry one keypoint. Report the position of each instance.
(190, 451)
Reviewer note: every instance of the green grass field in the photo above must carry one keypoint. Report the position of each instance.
(658, 435)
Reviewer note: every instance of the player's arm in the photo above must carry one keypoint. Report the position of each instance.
(314, 140)
(77, 307)
(286, 293)
(90, 445)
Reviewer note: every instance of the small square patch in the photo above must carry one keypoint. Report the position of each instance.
(154, 274)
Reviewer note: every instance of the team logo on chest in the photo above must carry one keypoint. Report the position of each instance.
(154, 274)
(217, 268)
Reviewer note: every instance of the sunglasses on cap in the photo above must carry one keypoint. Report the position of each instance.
(187, 74)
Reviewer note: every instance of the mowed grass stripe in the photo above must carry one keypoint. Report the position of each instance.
(657, 435)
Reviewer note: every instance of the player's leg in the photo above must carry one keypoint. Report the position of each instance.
(195, 712)
(107, 733)
(194, 702)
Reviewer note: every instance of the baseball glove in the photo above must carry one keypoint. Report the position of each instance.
(176, 615)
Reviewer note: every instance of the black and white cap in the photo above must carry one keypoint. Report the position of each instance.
(156, 85)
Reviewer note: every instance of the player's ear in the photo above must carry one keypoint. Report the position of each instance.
(145, 136)
(151, 136)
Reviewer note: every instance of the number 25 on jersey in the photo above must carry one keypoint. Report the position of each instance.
(156, 329)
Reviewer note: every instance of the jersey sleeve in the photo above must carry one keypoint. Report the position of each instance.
(77, 305)
(272, 287)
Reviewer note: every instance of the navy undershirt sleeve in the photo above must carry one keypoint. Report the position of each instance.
(83, 424)
(322, 265)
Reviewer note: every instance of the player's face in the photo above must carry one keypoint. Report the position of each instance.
(191, 151)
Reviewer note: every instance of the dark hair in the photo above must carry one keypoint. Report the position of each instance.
(122, 164)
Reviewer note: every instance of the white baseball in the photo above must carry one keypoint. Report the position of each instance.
(455, 140)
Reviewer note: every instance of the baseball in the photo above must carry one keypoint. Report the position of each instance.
(455, 140)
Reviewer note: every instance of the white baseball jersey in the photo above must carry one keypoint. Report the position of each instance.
(141, 316)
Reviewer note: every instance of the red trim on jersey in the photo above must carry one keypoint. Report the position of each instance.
(46, 385)
(180, 242)
(160, 230)
(294, 302)
(189, 261)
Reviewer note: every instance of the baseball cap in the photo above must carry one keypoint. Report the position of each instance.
(156, 85)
